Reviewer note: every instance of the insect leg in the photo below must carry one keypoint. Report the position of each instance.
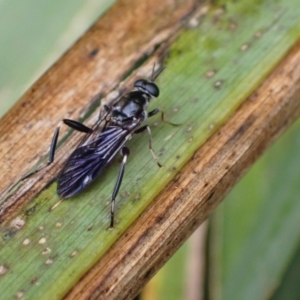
(125, 153)
(71, 123)
(147, 127)
(155, 111)
(77, 126)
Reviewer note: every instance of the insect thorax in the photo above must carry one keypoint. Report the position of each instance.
(131, 109)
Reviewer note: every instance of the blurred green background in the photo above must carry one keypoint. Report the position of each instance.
(34, 34)
(250, 248)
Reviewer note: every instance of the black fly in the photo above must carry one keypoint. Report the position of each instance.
(114, 128)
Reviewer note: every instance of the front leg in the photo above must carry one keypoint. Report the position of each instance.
(157, 110)
(147, 127)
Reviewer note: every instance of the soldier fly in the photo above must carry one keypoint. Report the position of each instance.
(107, 137)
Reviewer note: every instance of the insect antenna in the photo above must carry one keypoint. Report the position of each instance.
(154, 76)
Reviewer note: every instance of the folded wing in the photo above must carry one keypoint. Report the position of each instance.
(89, 159)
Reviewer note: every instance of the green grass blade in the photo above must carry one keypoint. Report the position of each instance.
(212, 68)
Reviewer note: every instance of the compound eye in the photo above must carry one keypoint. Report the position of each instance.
(152, 89)
(149, 87)
(140, 83)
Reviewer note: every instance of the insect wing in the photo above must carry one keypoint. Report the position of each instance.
(89, 159)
